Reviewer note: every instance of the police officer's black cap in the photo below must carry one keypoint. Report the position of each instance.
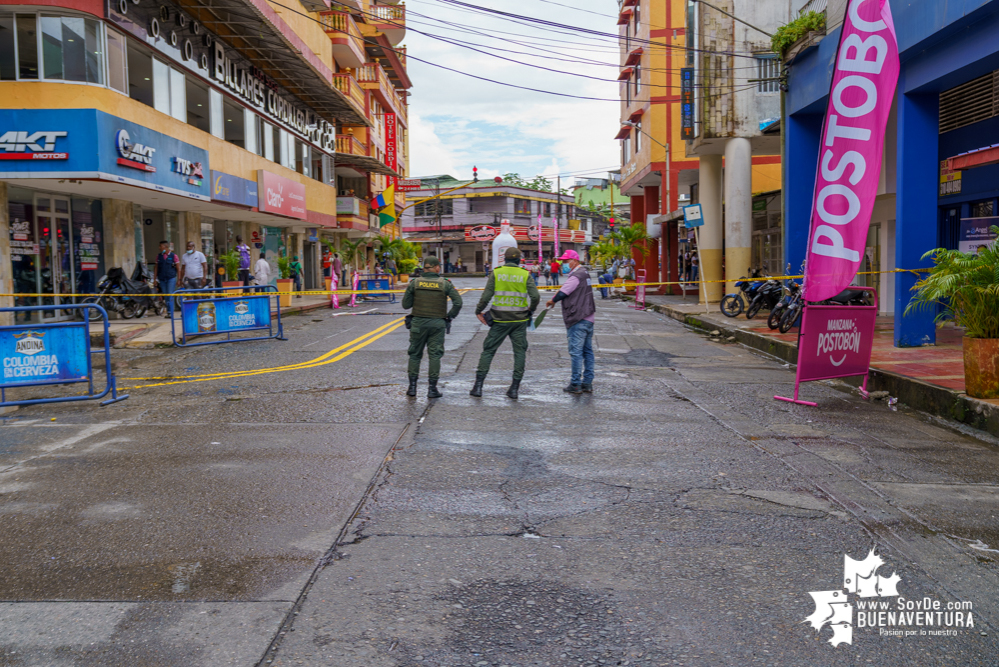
(431, 261)
(512, 253)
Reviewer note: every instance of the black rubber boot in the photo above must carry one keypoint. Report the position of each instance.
(512, 391)
(412, 385)
(432, 391)
(587, 388)
(573, 389)
(477, 387)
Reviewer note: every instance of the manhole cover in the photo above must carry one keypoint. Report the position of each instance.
(648, 358)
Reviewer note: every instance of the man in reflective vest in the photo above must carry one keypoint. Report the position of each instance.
(427, 296)
(514, 299)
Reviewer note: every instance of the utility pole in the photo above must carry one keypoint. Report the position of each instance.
(558, 226)
(440, 232)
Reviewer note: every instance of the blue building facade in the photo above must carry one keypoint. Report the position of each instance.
(946, 104)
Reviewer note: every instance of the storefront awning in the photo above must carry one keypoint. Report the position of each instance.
(636, 115)
(254, 29)
(365, 163)
(625, 74)
(624, 132)
(625, 16)
(634, 57)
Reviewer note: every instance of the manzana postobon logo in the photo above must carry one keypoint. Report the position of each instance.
(879, 604)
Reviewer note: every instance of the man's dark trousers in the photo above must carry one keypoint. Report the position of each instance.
(517, 331)
(426, 332)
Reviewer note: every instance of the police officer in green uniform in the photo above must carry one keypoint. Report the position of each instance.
(515, 298)
(427, 295)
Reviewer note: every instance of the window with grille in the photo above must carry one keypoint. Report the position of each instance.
(970, 102)
(767, 70)
(983, 209)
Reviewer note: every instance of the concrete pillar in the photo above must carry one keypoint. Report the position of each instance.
(6, 269)
(710, 233)
(190, 230)
(651, 266)
(119, 234)
(802, 158)
(916, 214)
(738, 210)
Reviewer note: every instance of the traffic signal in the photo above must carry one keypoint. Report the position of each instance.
(612, 224)
(475, 174)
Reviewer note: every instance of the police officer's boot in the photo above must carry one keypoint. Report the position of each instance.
(412, 385)
(432, 391)
(512, 391)
(477, 387)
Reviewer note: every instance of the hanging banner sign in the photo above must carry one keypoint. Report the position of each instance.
(391, 144)
(863, 85)
(211, 316)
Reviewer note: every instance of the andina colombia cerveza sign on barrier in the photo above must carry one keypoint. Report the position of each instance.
(202, 314)
(52, 354)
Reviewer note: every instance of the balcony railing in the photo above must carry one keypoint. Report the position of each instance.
(347, 85)
(348, 42)
(352, 206)
(372, 77)
(390, 13)
(348, 143)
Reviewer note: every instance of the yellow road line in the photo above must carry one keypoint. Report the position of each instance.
(356, 344)
(301, 364)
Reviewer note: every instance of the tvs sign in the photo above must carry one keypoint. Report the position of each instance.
(31, 146)
(132, 155)
(281, 196)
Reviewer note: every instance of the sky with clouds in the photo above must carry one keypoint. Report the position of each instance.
(457, 122)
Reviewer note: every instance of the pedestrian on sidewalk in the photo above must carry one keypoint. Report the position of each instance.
(578, 309)
(193, 268)
(515, 297)
(262, 271)
(429, 321)
(167, 264)
(338, 269)
(695, 266)
(607, 278)
(244, 261)
(296, 274)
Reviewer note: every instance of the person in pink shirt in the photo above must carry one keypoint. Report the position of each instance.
(578, 310)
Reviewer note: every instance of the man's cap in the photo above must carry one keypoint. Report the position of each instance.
(570, 254)
(511, 253)
(431, 261)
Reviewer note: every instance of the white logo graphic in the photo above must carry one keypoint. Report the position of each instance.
(274, 198)
(242, 308)
(133, 152)
(844, 338)
(834, 608)
(19, 142)
(31, 343)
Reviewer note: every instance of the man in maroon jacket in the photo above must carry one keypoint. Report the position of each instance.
(578, 309)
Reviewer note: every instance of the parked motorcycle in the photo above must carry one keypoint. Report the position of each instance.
(848, 297)
(118, 294)
(733, 304)
(788, 291)
(767, 296)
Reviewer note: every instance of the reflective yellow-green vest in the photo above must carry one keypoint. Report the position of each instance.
(510, 294)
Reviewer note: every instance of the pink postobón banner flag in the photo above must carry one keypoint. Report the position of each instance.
(353, 297)
(555, 234)
(334, 299)
(540, 228)
(846, 183)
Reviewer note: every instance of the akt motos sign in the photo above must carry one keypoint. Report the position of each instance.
(17, 145)
(260, 92)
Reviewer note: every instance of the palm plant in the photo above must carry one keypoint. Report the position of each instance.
(966, 285)
(633, 237)
(349, 249)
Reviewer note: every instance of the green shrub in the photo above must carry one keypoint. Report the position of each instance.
(787, 35)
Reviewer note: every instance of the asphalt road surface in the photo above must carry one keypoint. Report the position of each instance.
(284, 503)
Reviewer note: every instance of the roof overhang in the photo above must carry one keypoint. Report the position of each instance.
(636, 115)
(254, 29)
(625, 74)
(625, 16)
(365, 163)
(624, 132)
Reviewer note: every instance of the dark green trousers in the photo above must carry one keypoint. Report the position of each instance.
(517, 331)
(426, 332)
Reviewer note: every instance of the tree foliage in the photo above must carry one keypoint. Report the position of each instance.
(537, 183)
(787, 35)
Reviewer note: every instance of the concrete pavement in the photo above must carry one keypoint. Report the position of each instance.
(313, 514)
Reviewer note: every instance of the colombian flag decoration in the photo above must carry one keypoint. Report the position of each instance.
(386, 199)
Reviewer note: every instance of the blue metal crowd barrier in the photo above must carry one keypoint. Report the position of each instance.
(376, 281)
(214, 311)
(53, 353)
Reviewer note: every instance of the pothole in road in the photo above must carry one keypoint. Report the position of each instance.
(645, 357)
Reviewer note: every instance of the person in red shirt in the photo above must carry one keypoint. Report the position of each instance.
(555, 269)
